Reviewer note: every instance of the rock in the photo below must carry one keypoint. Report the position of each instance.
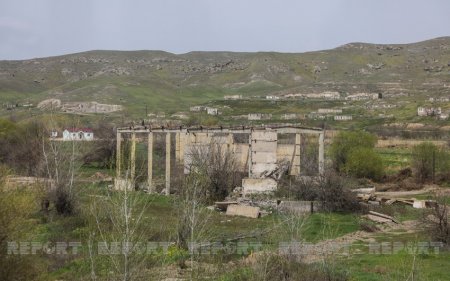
(223, 206)
(244, 211)
(250, 185)
(298, 207)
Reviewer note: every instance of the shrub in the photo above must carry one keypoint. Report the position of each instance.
(332, 191)
(363, 162)
(335, 196)
(429, 161)
(345, 142)
(218, 166)
(438, 222)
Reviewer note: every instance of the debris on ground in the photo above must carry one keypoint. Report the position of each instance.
(379, 217)
(222, 206)
(242, 210)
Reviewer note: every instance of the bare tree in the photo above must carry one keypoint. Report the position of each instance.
(62, 163)
(118, 226)
(218, 166)
(104, 149)
(438, 221)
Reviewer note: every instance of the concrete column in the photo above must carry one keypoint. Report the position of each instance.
(182, 147)
(177, 147)
(230, 146)
(188, 148)
(133, 157)
(150, 163)
(321, 154)
(250, 153)
(297, 160)
(167, 163)
(118, 154)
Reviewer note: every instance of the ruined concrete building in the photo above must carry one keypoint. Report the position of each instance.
(259, 155)
(232, 97)
(342, 117)
(259, 116)
(429, 111)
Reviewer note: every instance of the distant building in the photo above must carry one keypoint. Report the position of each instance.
(443, 116)
(429, 111)
(180, 115)
(212, 111)
(342, 117)
(329, 110)
(440, 99)
(289, 116)
(54, 134)
(232, 97)
(272, 97)
(259, 116)
(316, 116)
(196, 108)
(78, 134)
(363, 96)
(327, 95)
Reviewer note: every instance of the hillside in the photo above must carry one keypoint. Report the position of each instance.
(169, 82)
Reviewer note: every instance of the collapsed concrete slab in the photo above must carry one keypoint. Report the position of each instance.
(299, 207)
(258, 185)
(422, 204)
(244, 211)
(223, 206)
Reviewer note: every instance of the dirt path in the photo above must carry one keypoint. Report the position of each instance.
(327, 248)
(397, 194)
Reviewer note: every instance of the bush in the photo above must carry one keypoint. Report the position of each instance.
(335, 196)
(218, 166)
(288, 268)
(353, 153)
(438, 222)
(345, 142)
(363, 162)
(332, 191)
(429, 161)
(21, 147)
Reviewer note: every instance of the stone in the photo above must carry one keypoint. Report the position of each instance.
(378, 219)
(223, 206)
(298, 207)
(264, 185)
(419, 204)
(244, 211)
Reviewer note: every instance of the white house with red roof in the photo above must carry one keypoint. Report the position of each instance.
(78, 134)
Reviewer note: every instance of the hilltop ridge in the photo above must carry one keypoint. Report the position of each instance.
(176, 81)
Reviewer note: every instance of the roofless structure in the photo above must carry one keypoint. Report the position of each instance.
(257, 151)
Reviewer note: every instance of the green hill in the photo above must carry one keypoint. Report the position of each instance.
(170, 82)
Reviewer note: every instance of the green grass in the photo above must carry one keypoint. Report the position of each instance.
(374, 267)
(395, 159)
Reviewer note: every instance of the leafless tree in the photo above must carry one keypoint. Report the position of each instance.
(118, 226)
(218, 166)
(62, 163)
(438, 221)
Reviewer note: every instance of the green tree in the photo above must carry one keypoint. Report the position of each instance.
(17, 205)
(363, 162)
(347, 141)
(429, 161)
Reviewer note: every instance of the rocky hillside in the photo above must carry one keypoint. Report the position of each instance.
(174, 82)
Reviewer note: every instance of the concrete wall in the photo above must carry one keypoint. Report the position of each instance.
(270, 154)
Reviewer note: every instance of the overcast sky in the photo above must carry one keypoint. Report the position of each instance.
(38, 28)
